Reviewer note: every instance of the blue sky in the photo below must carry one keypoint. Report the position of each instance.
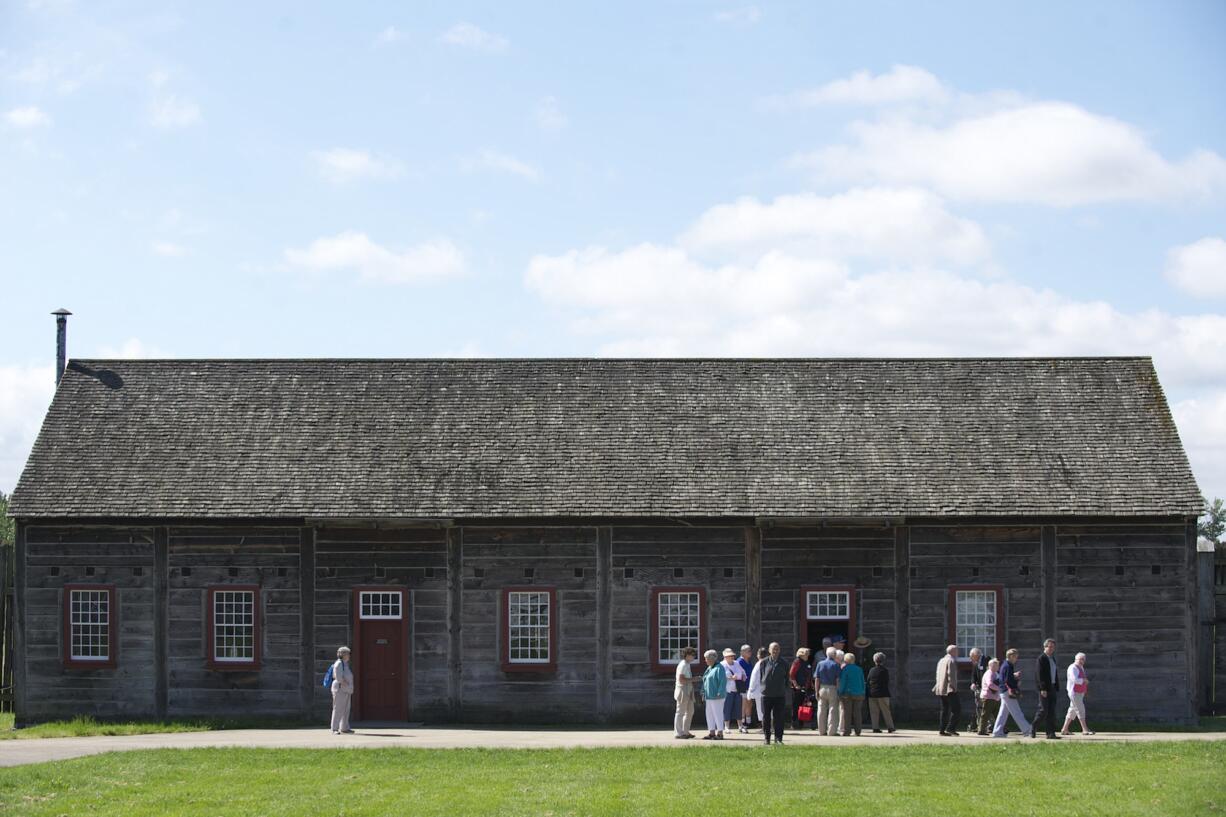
(216, 180)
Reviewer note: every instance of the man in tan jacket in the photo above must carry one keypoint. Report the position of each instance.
(946, 688)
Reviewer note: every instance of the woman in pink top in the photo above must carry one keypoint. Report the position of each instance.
(1078, 683)
(989, 693)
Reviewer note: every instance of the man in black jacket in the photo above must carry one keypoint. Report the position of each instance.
(1047, 675)
(775, 682)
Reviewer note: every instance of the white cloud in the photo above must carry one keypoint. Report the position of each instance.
(341, 165)
(1199, 268)
(30, 116)
(389, 35)
(745, 15)
(355, 251)
(903, 84)
(900, 225)
(493, 160)
(467, 35)
(168, 249)
(25, 393)
(548, 116)
(1051, 153)
(168, 110)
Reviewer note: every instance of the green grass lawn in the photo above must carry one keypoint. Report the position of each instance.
(85, 726)
(1016, 779)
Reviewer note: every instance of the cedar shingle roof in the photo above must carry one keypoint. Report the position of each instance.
(485, 438)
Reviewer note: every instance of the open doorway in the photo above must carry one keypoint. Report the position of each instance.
(827, 612)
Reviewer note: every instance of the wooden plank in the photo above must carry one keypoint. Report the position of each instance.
(1191, 628)
(604, 624)
(753, 584)
(899, 662)
(455, 616)
(306, 617)
(1047, 582)
(19, 635)
(161, 620)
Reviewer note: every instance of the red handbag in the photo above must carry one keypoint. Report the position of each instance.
(805, 712)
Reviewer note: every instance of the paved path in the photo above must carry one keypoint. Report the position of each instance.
(18, 752)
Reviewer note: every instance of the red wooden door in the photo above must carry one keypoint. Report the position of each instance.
(380, 661)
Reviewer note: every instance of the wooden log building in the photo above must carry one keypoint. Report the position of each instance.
(532, 540)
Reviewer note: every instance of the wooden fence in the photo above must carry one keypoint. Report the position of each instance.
(8, 610)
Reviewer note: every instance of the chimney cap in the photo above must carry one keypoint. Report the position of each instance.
(61, 311)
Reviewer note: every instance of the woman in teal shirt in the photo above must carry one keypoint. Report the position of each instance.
(851, 695)
(714, 688)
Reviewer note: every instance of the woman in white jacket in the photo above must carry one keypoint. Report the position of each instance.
(755, 683)
(342, 692)
(1077, 684)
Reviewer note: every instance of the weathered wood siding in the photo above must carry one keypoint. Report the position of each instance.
(57, 556)
(644, 557)
(204, 557)
(944, 555)
(498, 557)
(410, 558)
(795, 557)
(1119, 592)
(1122, 600)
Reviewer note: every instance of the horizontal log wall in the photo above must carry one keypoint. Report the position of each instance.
(411, 558)
(57, 556)
(204, 557)
(1100, 587)
(498, 557)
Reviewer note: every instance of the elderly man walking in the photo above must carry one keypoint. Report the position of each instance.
(979, 665)
(946, 688)
(1047, 674)
(773, 675)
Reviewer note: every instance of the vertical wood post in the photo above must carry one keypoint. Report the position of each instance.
(604, 621)
(19, 626)
(753, 585)
(306, 618)
(455, 616)
(901, 659)
(1191, 620)
(1204, 631)
(161, 620)
(1047, 584)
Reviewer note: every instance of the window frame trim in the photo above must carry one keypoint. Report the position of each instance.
(951, 604)
(803, 623)
(653, 610)
(504, 615)
(112, 634)
(210, 656)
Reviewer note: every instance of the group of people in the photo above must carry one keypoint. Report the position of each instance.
(830, 696)
(997, 691)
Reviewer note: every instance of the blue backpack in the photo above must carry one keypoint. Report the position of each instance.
(328, 676)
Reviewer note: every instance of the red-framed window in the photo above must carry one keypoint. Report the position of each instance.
(91, 626)
(233, 635)
(977, 619)
(826, 610)
(529, 629)
(678, 620)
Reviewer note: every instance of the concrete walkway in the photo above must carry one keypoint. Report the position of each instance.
(40, 750)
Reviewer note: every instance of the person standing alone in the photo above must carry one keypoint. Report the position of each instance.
(342, 692)
(946, 688)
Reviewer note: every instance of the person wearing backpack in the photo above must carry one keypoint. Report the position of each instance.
(342, 691)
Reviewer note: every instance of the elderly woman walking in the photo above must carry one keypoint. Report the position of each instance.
(989, 698)
(342, 692)
(714, 690)
(879, 694)
(683, 694)
(754, 695)
(1078, 683)
(851, 694)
